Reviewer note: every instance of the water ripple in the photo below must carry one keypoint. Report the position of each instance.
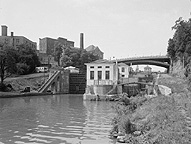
(59, 119)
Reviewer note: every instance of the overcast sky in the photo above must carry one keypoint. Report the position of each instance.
(120, 28)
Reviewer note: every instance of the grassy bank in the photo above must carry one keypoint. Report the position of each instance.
(159, 120)
(34, 81)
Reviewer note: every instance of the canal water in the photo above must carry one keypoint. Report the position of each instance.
(56, 119)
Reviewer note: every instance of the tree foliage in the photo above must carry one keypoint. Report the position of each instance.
(58, 50)
(77, 58)
(27, 60)
(22, 60)
(7, 62)
(179, 47)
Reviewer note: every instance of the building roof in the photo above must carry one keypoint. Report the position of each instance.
(70, 67)
(147, 67)
(92, 48)
(101, 61)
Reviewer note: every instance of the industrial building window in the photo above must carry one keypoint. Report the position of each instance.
(99, 66)
(107, 75)
(91, 75)
(99, 75)
(91, 66)
(6, 41)
(17, 40)
(106, 66)
(122, 69)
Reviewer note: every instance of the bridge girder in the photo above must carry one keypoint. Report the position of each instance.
(162, 61)
(148, 62)
(148, 58)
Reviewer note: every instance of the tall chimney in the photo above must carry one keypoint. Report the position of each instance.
(13, 40)
(3, 30)
(81, 40)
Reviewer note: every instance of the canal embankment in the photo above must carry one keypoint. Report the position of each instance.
(30, 85)
(161, 119)
(18, 84)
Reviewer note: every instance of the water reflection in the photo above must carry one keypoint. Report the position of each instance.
(54, 119)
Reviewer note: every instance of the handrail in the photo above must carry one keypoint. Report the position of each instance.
(50, 79)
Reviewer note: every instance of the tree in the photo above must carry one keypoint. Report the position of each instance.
(58, 50)
(171, 49)
(66, 61)
(77, 58)
(27, 59)
(179, 46)
(7, 62)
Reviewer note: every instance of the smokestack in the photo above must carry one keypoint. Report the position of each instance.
(3, 30)
(81, 40)
(12, 34)
(13, 40)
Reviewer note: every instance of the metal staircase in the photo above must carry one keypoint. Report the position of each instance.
(47, 84)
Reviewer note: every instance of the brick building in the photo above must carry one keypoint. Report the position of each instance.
(46, 45)
(15, 40)
(95, 51)
(46, 49)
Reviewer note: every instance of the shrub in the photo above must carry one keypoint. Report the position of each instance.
(2, 87)
(22, 68)
(125, 125)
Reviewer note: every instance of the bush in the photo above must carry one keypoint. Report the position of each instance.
(124, 108)
(22, 68)
(2, 87)
(125, 125)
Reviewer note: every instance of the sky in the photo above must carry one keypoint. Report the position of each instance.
(120, 28)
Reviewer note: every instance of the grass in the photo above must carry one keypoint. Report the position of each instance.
(161, 120)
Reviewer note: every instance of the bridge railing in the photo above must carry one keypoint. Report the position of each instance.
(140, 57)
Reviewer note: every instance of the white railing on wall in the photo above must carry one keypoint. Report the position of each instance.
(103, 82)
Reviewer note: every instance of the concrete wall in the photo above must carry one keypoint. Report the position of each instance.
(102, 89)
(65, 81)
(61, 82)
